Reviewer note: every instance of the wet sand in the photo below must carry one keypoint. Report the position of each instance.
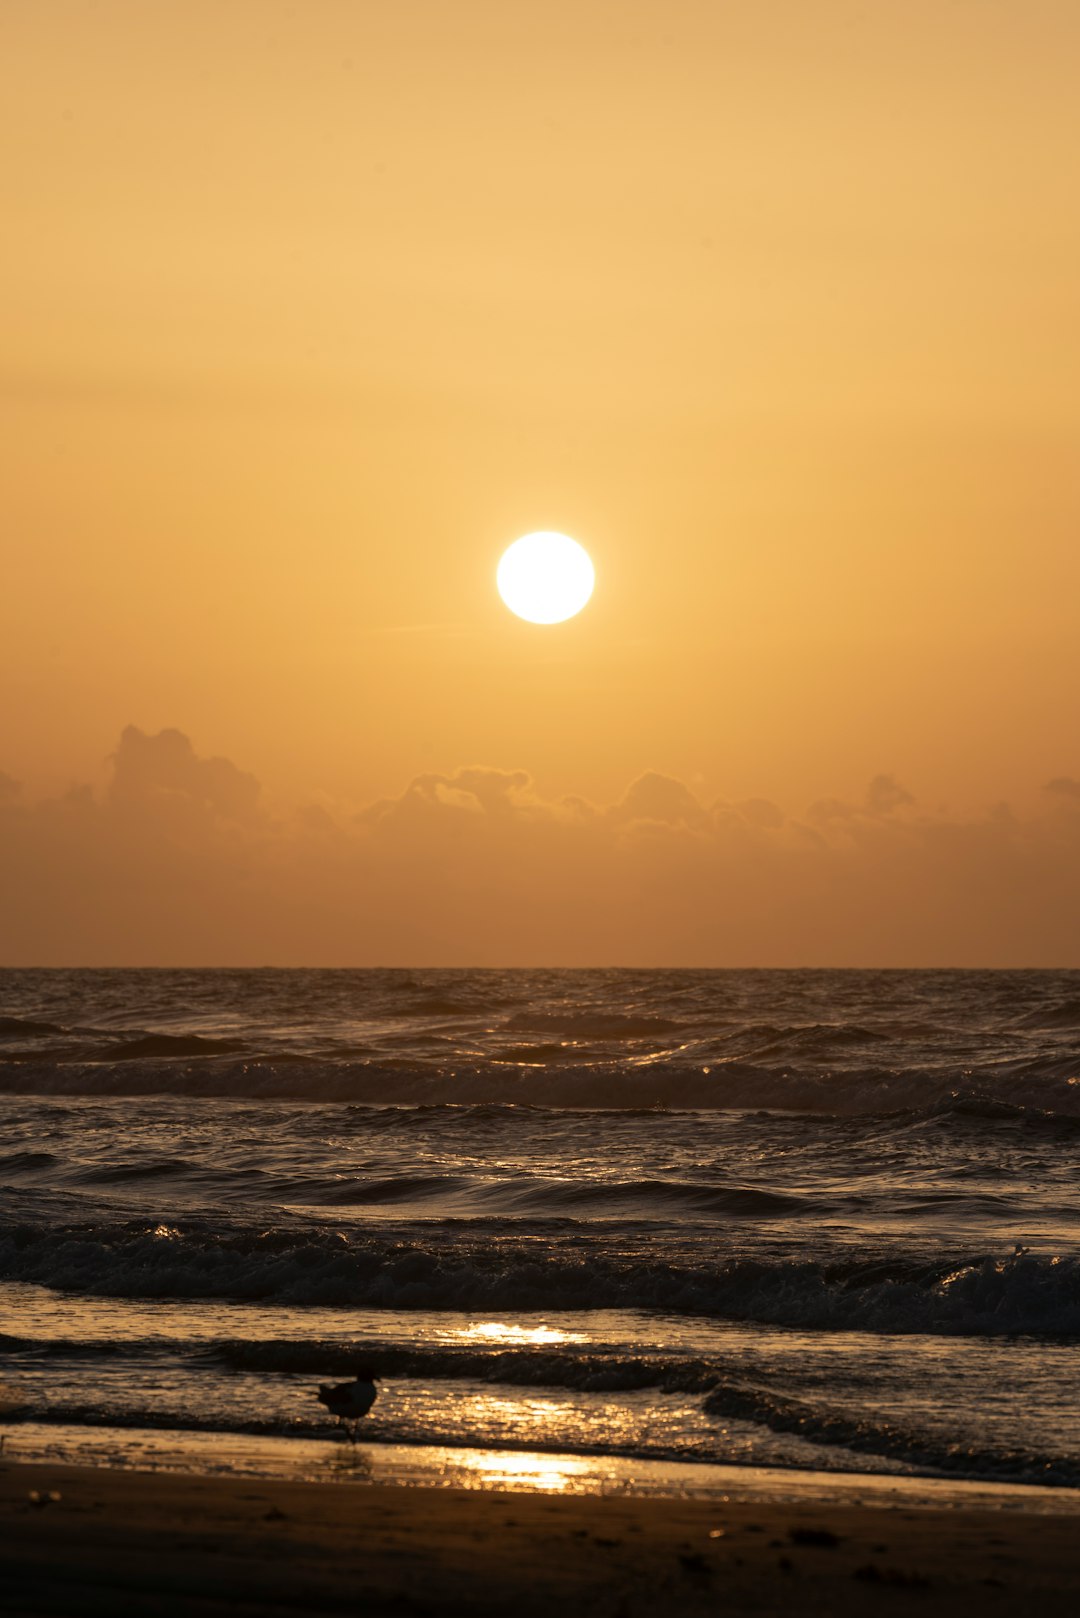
(165, 1544)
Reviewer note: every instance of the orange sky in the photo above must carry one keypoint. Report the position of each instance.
(308, 310)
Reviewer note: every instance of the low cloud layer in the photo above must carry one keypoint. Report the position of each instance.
(180, 861)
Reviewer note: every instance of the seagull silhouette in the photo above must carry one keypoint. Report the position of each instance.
(350, 1401)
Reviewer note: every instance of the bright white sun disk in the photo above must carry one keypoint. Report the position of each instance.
(545, 577)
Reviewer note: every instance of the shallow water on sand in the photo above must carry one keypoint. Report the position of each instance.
(799, 1220)
(524, 1471)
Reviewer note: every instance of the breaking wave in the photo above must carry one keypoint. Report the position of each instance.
(174, 1046)
(861, 1435)
(557, 1077)
(1064, 1014)
(27, 1028)
(1024, 1293)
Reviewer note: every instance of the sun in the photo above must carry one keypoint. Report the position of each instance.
(545, 577)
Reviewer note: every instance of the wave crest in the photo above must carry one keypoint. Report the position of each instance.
(1024, 1293)
(581, 1083)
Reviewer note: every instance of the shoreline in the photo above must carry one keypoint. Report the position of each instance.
(241, 1457)
(180, 1543)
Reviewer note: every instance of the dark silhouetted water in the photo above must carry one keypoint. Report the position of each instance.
(814, 1219)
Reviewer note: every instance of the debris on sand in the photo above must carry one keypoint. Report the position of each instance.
(814, 1536)
(872, 1574)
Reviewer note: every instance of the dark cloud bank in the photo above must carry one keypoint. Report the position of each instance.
(182, 862)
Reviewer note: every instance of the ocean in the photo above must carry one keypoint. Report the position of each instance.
(631, 1221)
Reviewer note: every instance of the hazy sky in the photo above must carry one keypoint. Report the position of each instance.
(308, 310)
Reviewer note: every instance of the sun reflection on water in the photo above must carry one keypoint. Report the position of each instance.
(499, 1331)
(500, 1468)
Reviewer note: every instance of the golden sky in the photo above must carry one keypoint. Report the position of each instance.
(308, 310)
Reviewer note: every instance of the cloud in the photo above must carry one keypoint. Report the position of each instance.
(180, 860)
(660, 800)
(165, 768)
(760, 812)
(431, 800)
(884, 795)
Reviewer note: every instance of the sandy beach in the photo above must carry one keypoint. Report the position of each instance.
(159, 1544)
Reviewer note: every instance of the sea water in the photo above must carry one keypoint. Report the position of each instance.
(805, 1220)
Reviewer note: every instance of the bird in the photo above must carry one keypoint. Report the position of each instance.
(349, 1401)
